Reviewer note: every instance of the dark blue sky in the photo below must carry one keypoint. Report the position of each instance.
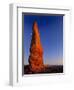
(51, 34)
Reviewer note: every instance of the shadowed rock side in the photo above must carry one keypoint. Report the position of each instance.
(48, 69)
(36, 51)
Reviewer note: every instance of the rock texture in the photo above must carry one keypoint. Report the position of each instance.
(36, 51)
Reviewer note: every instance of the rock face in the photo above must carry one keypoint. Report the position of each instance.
(36, 51)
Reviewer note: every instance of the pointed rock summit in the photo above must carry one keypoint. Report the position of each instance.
(36, 51)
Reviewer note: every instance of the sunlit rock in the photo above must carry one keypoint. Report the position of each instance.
(36, 51)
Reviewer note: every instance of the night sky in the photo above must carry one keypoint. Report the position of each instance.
(51, 35)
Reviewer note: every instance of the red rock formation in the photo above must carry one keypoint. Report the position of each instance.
(36, 51)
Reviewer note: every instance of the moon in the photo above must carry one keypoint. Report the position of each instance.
(31, 34)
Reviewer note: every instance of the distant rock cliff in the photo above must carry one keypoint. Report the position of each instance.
(36, 51)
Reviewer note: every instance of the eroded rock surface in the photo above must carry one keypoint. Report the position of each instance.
(36, 51)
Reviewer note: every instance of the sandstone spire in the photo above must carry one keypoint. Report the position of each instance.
(36, 51)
